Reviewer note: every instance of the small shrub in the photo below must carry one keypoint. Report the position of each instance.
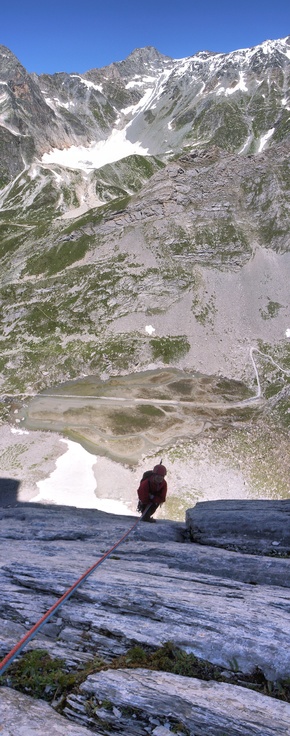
(168, 348)
(136, 655)
(38, 675)
(168, 658)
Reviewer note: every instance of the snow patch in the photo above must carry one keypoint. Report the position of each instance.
(59, 178)
(67, 105)
(149, 329)
(18, 431)
(213, 65)
(265, 138)
(138, 81)
(129, 110)
(33, 171)
(151, 96)
(183, 66)
(73, 483)
(49, 102)
(287, 333)
(90, 85)
(132, 85)
(141, 105)
(201, 89)
(56, 102)
(114, 148)
(240, 85)
(246, 144)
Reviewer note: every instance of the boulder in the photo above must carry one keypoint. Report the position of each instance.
(21, 715)
(257, 527)
(147, 702)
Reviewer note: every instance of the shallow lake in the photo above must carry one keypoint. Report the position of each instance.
(128, 416)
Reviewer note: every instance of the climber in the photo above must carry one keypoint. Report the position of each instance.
(152, 490)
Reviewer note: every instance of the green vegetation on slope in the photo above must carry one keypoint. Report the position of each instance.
(169, 349)
(40, 676)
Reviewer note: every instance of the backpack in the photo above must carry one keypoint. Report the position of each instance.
(146, 475)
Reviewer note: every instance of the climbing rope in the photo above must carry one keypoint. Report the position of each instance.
(43, 620)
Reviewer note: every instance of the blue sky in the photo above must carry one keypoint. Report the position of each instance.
(77, 35)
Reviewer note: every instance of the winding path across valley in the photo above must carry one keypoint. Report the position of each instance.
(129, 401)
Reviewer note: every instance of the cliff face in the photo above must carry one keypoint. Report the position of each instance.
(228, 608)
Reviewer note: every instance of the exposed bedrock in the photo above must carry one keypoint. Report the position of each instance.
(227, 607)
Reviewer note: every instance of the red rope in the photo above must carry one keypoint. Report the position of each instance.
(31, 633)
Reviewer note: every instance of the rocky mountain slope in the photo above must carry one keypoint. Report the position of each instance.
(144, 224)
(224, 608)
(174, 175)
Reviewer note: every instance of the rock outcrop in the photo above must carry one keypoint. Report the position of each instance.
(228, 608)
(257, 527)
(22, 714)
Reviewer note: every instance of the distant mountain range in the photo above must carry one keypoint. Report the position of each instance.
(238, 101)
(144, 215)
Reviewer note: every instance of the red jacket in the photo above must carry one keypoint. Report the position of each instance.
(148, 488)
